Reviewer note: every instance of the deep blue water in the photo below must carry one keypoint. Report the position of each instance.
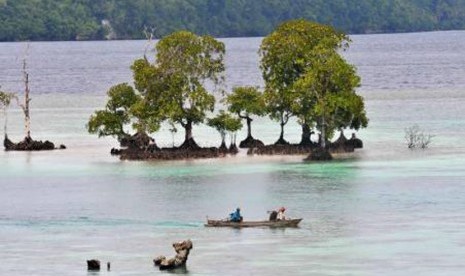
(384, 210)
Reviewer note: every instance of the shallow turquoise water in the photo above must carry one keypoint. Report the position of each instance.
(384, 210)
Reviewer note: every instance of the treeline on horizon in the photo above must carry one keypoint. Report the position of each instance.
(50, 20)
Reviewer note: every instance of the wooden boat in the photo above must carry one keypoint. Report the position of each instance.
(262, 223)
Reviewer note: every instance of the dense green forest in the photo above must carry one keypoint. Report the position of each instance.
(126, 19)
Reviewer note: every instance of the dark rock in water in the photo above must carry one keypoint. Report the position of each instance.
(62, 146)
(28, 144)
(114, 151)
(108, 266)
(179, 261)
(319, 154)
(93, 265)
(48, 145)
(250, 142)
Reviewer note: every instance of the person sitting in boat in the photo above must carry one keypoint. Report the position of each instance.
(281, 215)
(273, 215)
(236, 216)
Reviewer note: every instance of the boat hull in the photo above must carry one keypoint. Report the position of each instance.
(264, 223)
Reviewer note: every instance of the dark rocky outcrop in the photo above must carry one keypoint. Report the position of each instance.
(179, 261)
(28, 144)
(115, 151)
(93, 265)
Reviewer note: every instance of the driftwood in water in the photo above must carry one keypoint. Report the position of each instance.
(182, 252)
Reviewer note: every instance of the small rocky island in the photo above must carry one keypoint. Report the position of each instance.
(28, 144)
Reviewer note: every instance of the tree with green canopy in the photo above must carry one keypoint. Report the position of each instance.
(245, 102)
(151, 84)
(285, 57)
(187, 62)
(224, 122)
(330, 84)
(117, 113)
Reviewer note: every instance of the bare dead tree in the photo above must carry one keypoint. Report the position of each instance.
(25, 106)
(416, 138)
(27, 100)
(148, 32)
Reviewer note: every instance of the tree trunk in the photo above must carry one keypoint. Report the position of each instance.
(249, 127)
(323, 133)
(281, 140)
(306, 135)
(188, 129)
(189, 142)
(27, 118)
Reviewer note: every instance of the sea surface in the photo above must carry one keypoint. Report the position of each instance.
(384, 210)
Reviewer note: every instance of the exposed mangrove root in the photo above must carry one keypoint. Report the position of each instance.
(250, 142)
(189, 144)
(233, 150)
(281, 141)
(319, 154)
(289, 149)
(168, 154)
